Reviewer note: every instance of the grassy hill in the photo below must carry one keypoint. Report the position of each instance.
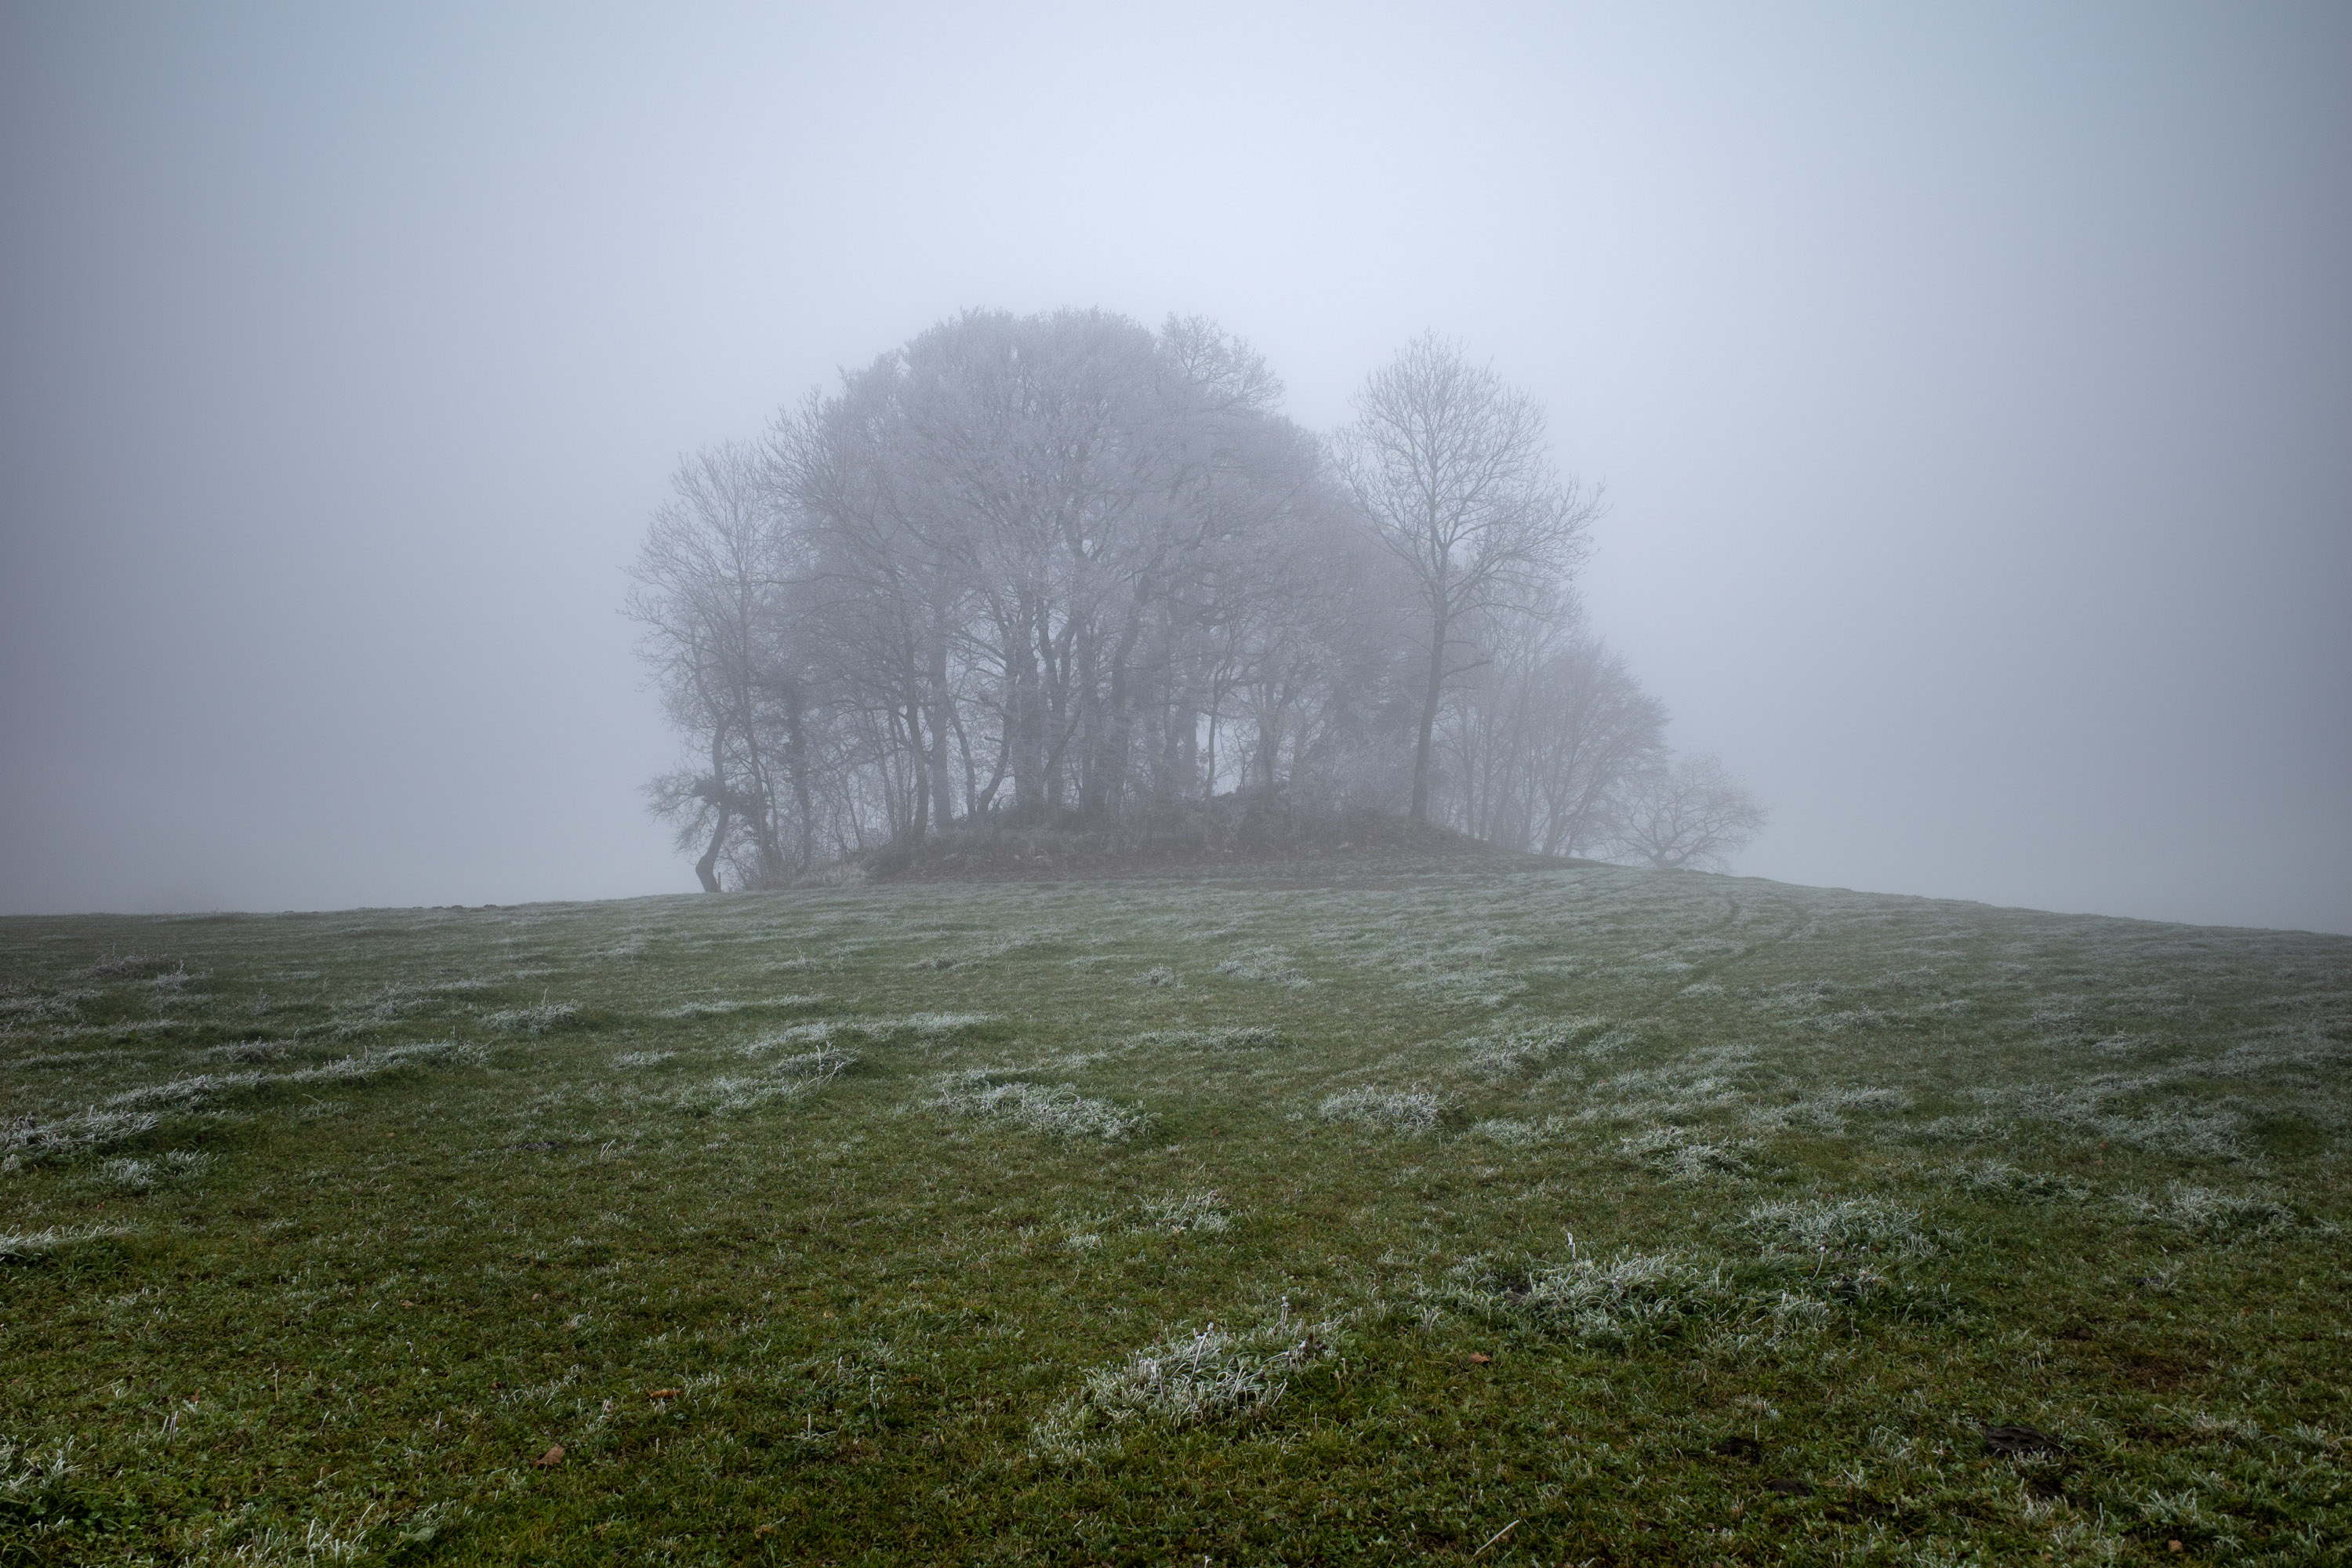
(1430, 1211)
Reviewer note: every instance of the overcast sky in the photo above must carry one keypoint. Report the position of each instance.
(1972, 385)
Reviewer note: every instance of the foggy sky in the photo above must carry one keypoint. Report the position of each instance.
(1973, 391)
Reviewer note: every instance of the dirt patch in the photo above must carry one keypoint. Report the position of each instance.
(2015, 1442)
(2153, 1370)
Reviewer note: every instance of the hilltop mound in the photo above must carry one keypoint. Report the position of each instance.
(1206, 843)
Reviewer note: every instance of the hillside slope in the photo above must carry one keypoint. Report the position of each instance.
(1459, 1213)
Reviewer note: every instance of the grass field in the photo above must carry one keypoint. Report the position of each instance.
(1576, 1215)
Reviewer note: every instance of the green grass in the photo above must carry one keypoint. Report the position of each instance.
(1558, 1217)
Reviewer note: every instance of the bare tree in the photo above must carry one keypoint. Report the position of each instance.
(1037, 534)
(1595, 732)
(729, 642)
(1694, 814)
(1537, 746)
(1451, 469)
(1065, 570)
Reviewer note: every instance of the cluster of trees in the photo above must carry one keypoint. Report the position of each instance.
(1063, 571)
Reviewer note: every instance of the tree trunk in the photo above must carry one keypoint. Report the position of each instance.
(797, 762)
(918, 765)
(942, 720)
(1429, 717)
(1025, 714)
(707, 868)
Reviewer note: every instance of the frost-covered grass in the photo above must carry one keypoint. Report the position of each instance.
(1189, 1214)
(1208, 1376)
(1681, 1152)
(2214, 1215)
(1518, 1050)
(1415, 1215)
(1996, 1178)
(1411, 1109)
(1242, 1038)
(777, 1078)
(173, 1164)
(1841, 1227)
(1514, 1133)
(25, 1246)
(544, 1019)
(34, 1136)
(1058, 1109)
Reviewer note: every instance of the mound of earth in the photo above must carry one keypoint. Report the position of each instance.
(1200, 846)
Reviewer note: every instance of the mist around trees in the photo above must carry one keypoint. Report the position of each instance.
(1064, 572)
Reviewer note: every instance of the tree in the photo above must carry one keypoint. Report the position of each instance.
(1451, 469)
(1594, 732)
(1540, 743)
(729, 642)
(1035, 534)
(1694, 814)
(1063, 571)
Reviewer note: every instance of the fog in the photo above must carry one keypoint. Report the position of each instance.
(1971, 394)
